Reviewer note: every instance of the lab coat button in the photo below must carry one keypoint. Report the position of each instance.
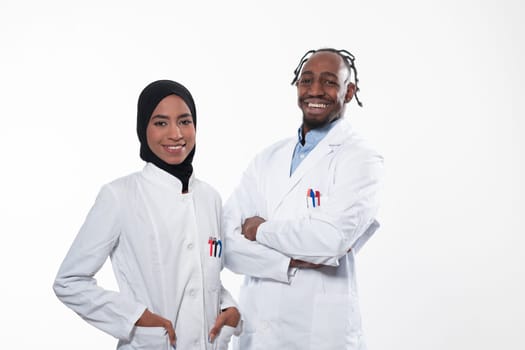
(192, 292)
(190, 246)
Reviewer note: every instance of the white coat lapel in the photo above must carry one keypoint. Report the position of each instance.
(326, 146)
(278, 183)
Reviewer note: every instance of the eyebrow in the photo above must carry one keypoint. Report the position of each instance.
(162, 116)
(322, 74)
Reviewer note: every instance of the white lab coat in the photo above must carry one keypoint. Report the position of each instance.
(158, 241)
(304, 309)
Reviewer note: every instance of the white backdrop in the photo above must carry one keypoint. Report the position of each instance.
(442, 84)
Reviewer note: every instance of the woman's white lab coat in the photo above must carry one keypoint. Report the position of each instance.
(304, 308)
(166, 256)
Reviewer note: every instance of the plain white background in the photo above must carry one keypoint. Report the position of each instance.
(442, 84)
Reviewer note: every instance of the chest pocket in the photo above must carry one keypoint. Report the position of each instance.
(213, 258)
(315, 187)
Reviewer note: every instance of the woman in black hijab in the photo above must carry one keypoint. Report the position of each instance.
(148, 101)
(161, 228)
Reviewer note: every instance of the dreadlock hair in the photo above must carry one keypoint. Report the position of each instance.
(348, 59)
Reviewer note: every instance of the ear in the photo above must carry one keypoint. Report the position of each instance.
(350, 91)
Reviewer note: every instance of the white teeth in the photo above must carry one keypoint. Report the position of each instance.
(173, 147)
(317, 105)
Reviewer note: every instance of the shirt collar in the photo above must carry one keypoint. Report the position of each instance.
(315, 135)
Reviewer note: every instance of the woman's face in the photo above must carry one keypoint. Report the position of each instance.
(170, 131)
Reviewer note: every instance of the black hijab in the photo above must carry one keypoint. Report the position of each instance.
(148, 100)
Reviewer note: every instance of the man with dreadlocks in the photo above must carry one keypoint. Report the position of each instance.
(302, 210)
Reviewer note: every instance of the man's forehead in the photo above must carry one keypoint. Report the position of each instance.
(324, 63)
(324, 57)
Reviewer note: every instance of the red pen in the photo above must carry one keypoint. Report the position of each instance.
(210, 242)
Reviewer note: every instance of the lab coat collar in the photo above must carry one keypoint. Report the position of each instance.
(155, 174)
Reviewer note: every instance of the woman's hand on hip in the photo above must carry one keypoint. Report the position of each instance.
(228, 317)
(149, 319)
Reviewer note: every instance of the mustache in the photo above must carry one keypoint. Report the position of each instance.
(316, 98)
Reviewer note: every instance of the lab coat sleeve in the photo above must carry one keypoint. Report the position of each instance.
(346, 219)
(226, 301)
(243, 256)
(224, 337)
(75, 284)
(360, 242)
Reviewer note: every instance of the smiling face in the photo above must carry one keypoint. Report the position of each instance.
(322, 90)
(170, 131)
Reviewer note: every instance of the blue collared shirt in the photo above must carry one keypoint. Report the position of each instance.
(312, 138)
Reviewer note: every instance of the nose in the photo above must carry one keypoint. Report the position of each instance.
(175, 132)
(316, 88)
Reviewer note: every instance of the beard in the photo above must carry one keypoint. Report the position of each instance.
(316, 123)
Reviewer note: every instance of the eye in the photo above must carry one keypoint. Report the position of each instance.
(305, 81)
(331, 83)
(186, 122)
(160, 123)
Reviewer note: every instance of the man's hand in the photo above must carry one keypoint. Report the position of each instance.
(249, 227)
(307, 265)
(149, 319)
(303, 264)
(228, 317)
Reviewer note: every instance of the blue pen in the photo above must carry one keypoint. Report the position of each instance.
(219, 243)
(312, 195)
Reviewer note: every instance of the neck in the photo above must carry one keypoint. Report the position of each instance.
(306, 127)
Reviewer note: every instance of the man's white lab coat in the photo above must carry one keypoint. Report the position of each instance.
(327, 206)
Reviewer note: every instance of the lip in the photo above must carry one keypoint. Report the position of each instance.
(316, 101)
(174, 149)
(315, 106)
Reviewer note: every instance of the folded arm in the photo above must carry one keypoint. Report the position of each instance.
(331, 230)
(242, 256)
